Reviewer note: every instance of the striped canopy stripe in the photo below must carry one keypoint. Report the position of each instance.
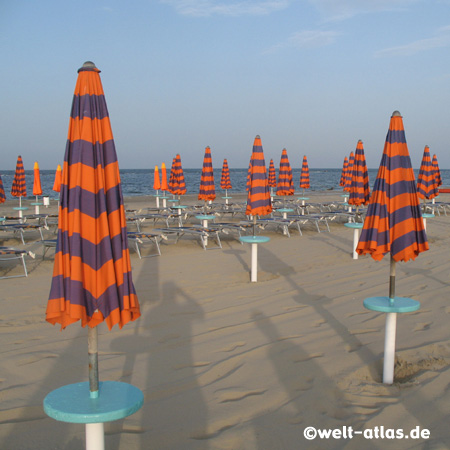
(348, 173)
(304, 175)
(225, 181)
(207, 188)
(179, 181)
(92, 279)
(272, 175)
(426, 182)
(19, 187)
(171, 178)
(285, 184)
(394, 222)
(437, 171)
(258, 199)
(2, 191)
(37, 189)
(344, 172)
(359, 193)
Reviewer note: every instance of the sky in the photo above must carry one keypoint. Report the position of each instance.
(311, 76)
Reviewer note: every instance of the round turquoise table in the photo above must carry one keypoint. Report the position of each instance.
(254, 241)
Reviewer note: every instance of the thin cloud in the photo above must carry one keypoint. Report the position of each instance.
(206, 8)
(440, 40)
(306, 39)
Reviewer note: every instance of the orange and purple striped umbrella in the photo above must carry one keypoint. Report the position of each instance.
(19, 187)
(344, 172)
(2, 191)
(359, 193)
(92, 279)
(58, 179)
(272, 175)
(426, 182)
(171, 184)
(207, 188)
(285, 184)
(348, 174)
(437, 171)
(37, 189)
(164, 186)
(258, 198)
(304, 175)
(247, 186)
(393, 222)
(225, 181)
(156, 180)
(178, 174)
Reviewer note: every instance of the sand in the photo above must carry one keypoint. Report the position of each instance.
(228, 364)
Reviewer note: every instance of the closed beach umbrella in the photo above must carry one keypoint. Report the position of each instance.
(285, 184)
(359, 193)
(180, 182)
(272, 175)
(437, 171)
(2, 191)
(156, 180)
(171, 185)
(426, 181)
(207, 189)
(37, 189)
(344, 172)
(92, 279)
(304, 175)
(225, 181)
(393, 223)
(19, 187)
(58, 179)
(247, 186)
(348, 174)
(164, 186)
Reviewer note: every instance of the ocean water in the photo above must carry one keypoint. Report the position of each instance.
(140, 181)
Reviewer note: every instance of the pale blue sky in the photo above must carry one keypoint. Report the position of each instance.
(311, 76)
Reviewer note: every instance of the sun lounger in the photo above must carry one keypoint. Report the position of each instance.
(201, 232)
(278, 223)
(8, 253)
(20, 228)
(315, 219)
(140, 238)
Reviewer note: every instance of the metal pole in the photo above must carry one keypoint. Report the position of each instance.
(93, 361)
(391, 328)
(254, 269)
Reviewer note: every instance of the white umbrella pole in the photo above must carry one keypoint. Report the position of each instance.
(391, 327)
(95, 436)
(157, 198)
(254, 270)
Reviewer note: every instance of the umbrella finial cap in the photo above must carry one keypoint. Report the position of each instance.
(88, 65)
(396, 114)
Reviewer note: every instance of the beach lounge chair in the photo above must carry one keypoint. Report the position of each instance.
(8, 254)
(201, 232)
(139, 239)
(20, 228)
(48, 243)
(315, 219)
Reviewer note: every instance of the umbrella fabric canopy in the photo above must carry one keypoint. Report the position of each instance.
(156, 180)
(247, 186)
(179, 182)
(393, 222)
(426, 182)
(225, 181)
(171, 184)
(19, 187)
(285, 181)
(207, 188)
(92, 279)
(37, 189)
(344, 172)
(272, 175)
(2, 191)
(437, 171)
(258, 199)
(348, 174)
(359, 193)
(304, 175)
(58, 179)
(164, 186)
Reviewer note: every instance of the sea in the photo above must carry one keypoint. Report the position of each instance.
(137, 182)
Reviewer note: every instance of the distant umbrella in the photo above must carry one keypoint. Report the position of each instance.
(179, 181)
(207, 190)
(348, 175)
(285, 185)
(92, 279)
(2, 191)
(359, 193)
(304, 175)
(272, 175)
(58, 179)
(426, 182)
(225, 181)
(19, 187)
(247, 186)
(344, 173)
(171, 184)
(156, 180)
(437, 171)
(164, 186)
(393, 223)
(37, 189)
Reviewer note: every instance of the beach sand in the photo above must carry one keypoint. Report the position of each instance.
(228, 364)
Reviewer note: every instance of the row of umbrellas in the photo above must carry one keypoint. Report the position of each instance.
(19, 188)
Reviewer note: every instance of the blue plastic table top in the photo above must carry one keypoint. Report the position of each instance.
(283, 210)
(303, 198)
(205, 217)
(254, 239)
(387, 305)
(427, 215)
(20, 208)
(345, 195)
(353, 224)
(72, 403)
(179, 206)
(2, 219)
(227, 196)
(39, 204)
